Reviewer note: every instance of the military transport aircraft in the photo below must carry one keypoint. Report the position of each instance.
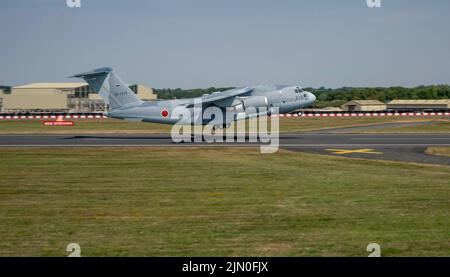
(124, 104)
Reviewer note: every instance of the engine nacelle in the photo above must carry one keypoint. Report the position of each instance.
(255, 101)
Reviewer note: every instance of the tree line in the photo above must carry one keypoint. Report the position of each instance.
(335, 97)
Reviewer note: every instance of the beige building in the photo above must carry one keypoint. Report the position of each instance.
(61, 97)
(412, 105)
(364, 106)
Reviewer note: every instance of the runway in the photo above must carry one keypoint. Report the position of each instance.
(397, 147)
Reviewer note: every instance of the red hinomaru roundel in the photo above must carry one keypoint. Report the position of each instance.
(164, 113)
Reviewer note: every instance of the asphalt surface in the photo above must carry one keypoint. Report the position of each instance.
(397, 147)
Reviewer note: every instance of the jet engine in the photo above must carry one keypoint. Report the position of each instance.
(253, 101)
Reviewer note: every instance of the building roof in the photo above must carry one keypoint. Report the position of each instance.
(420, 102)
(365, 102)
(52, 85)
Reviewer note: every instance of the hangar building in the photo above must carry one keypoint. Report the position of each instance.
(60, 98)
(364, 106)
(419, 105)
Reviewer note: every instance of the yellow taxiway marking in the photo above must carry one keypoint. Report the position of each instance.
(351, 151)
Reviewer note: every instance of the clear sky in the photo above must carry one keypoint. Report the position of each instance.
(202, 43)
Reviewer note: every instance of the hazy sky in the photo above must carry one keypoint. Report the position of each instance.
(202, 43)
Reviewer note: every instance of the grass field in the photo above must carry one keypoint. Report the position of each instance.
(218, 202)
(294, 124)
(439, 151)
(320, 123)
(441, 126)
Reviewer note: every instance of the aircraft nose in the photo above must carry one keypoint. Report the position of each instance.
(312, 96)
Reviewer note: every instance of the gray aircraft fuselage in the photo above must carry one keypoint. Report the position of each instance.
(285, 98)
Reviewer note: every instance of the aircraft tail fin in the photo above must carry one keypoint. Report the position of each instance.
(110, 87)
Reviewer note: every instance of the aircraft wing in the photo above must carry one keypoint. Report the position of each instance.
(223, 99)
